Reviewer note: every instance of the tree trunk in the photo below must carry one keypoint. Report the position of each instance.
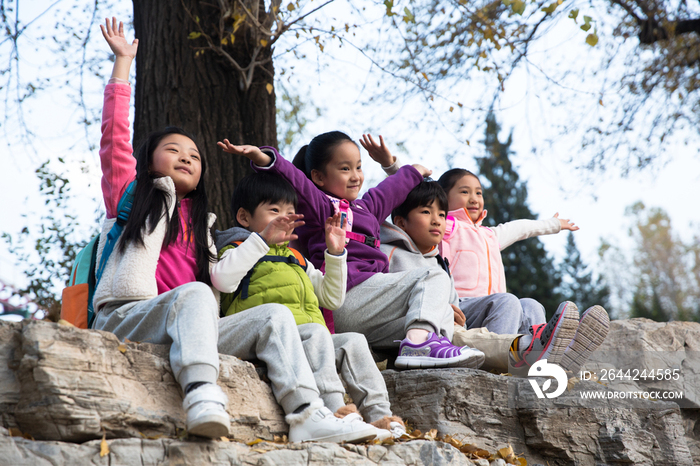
(201, 94)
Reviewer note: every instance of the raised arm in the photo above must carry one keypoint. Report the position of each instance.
(517, 230)
(118, 164)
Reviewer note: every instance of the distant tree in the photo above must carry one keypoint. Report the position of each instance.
(530, 272)
(660, 280)
(648, 307)
(577, 282)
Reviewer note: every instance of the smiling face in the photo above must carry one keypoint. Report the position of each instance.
(425, 226)
(263, 214)
(467, 194)
(342, 176)
(177, 156)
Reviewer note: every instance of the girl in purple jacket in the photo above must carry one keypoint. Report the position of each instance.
(410, 308)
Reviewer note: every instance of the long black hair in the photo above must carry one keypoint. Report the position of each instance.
(150, 206)
(316, 154)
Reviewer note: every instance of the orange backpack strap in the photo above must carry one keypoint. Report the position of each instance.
(300, 258)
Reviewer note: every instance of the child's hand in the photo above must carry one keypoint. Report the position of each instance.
(565, 223)
(379, 153)
(422, 170)
(114, 35)
(280, 230)
(459, 316)
(253, 153)
(335, 235)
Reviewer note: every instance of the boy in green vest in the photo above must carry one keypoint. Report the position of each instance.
(255, 267)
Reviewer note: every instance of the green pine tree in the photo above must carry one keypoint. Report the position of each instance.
(578, 284)
(530, 272)
(641, 307)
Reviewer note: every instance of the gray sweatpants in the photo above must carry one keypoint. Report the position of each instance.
(347, 353)
(502, 313)
(385, 306)
(187, 319)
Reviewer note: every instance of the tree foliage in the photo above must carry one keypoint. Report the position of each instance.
(530, 272)
(660, 280)
(578, 283)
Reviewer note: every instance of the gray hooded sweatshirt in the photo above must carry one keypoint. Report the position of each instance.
(404, 255)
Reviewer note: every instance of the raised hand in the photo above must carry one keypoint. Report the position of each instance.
(252, 153)
(379, 152)
(281, 229)
(565, 223)
(335, 235)
(114, 35)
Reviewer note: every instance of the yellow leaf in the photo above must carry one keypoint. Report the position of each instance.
(290, 7)
(573, 14)
(66, 323)
(468, 143)
(224, 41)
(104, 448)
(122, 348)
(601, 104)
(459, 104)
(320, 47)
(263, 42)
(269, 88)
(592, 39)
(254, 442)
(194, 35)
(425, 76)
(452, 109)
(518, 7)
(224, 439)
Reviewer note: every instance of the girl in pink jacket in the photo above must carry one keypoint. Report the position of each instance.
(474, 254)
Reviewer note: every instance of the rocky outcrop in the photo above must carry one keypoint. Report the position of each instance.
(61, 383)
(131, 451)
(67, 388)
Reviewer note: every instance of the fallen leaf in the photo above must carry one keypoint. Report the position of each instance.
(122, 347)
(269, 88)
(65, 322)
(254, 442)
(104, 448)
(224, 439)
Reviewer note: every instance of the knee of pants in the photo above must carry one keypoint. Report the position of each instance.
(199, 293)
(350, 342)
(279, 316)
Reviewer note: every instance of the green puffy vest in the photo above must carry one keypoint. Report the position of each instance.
(276, 282)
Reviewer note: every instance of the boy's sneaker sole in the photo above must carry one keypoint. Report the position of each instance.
(470, 358)
(591, 333)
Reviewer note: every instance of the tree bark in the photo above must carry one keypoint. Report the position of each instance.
(202, 94)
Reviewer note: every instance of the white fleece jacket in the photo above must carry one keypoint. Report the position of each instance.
(131, 275)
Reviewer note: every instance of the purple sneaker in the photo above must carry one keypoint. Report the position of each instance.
(436, 351)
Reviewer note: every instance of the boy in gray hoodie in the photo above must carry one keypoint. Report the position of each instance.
(412, 242)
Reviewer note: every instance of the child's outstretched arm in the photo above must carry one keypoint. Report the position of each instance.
(123, 51)
(253, 153)
(566, 224)
(117, 163)
(330, 287)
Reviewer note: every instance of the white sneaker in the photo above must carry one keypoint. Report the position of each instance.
(318, 424)
(206, 413)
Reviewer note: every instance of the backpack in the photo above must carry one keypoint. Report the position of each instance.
(76, 299)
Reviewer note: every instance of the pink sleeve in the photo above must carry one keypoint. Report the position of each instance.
(116, 153)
